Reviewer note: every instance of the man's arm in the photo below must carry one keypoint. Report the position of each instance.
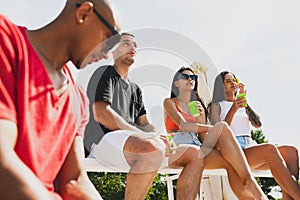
(17, 180)
(72, 181)
(105, 115)
(144, 124)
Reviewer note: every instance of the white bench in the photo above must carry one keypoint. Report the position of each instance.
(218, 178)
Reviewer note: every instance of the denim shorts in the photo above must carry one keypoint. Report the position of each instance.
(245, 141)
(186, 138)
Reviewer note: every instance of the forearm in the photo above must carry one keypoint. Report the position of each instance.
(253, 117)
(72, 181)
(109, 118)
(230, 115)
(194, 127)
(147, 128)
(143, 123)
(114, 121)
(80, 189)
(18, 181)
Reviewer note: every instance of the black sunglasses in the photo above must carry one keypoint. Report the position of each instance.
(186, 77)
(111, 41)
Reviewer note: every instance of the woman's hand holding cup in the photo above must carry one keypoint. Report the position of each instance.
(197, 111)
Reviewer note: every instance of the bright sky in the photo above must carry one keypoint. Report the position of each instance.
(258, 40)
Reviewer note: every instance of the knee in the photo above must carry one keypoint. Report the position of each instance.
(294, 151)
(270, 148)
(143, 146)
(291, 149)
(144, 155)
(195, 157)
(289, 152)
(224, 128)
(222, 125)
(155, 148)
(152, 145)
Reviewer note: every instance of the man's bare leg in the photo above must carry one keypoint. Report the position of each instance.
(188, 184)
(145, 157)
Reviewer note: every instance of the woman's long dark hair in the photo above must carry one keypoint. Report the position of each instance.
(219, 90)
(195, 94)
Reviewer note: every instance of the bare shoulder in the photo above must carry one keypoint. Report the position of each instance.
(168, 102)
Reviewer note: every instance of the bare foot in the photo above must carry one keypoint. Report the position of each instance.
(252, 189)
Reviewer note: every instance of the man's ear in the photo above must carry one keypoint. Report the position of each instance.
(84, 10)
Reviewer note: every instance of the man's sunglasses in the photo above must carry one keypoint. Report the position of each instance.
(111, 41)
(186, 77)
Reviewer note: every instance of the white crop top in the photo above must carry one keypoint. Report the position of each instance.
(240, 123)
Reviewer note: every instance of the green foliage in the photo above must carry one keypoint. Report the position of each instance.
(265, 183)
(158, 191)
(258, 136)
(111, 186)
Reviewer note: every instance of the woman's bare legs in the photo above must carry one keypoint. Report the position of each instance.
(223, 139)
(214, 160)
(291, 157)
(267, 156)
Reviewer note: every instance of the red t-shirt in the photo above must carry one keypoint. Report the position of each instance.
(47, 123)
(171, 126)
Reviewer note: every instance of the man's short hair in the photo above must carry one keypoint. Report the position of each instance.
(126, 33)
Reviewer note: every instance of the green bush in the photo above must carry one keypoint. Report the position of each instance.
(111, 186)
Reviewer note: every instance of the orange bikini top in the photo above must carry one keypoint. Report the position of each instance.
(171, 126)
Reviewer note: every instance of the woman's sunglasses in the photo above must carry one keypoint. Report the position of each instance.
(186, 77)
(234, 80)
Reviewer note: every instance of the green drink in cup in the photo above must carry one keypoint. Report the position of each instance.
(172, 143)
(193, 108)
(242, 95)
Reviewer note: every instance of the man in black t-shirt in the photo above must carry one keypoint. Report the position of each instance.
(124, 97)
(128, 141)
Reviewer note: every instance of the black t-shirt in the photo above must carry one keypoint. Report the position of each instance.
(124, 96)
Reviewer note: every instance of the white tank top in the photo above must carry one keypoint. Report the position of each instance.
(240, 123)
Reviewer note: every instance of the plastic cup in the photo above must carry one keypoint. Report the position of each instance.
(193, 108)
(242, 95)
(172, 143)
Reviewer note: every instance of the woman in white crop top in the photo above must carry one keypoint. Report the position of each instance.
(283, 161)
